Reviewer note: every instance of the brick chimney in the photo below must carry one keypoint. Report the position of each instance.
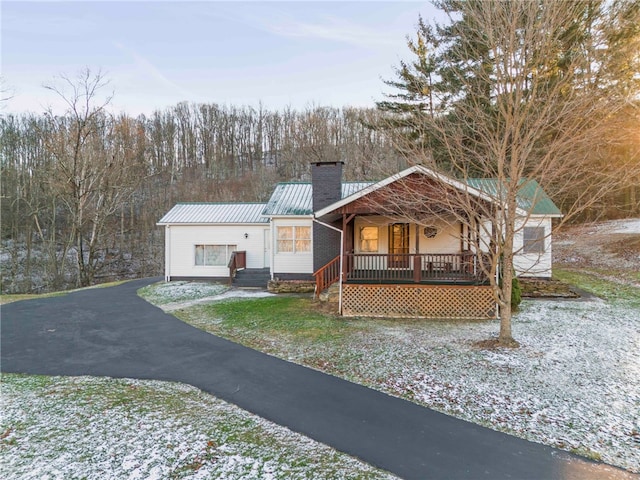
(326, 183)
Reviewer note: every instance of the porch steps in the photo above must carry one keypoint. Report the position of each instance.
(252, 277)
(331, 294)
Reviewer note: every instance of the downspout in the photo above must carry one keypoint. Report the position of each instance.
(167, 255)
(272, 249)
(341, 259)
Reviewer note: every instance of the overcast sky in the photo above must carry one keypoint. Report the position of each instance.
(158, 53)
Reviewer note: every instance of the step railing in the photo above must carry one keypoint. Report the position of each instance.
(237, 261)
(327, 275)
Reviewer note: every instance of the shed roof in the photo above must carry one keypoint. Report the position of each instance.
(296, 198)
(228, 213)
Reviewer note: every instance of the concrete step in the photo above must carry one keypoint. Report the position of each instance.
(252, 277)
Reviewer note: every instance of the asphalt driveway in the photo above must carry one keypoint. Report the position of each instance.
(112, 332)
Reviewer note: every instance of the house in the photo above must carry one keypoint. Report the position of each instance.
(354, 233)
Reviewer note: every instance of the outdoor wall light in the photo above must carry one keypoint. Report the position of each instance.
(246, 235)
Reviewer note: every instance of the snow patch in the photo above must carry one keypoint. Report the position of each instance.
(231, 293)
(630, 225)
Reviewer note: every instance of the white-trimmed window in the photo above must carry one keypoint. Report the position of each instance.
(533, 240)
(293, 239)
(369, 239)
(213, 255)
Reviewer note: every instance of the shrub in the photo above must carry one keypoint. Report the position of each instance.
(516, 292)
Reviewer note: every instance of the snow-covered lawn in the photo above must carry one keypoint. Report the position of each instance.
(162, 294)
(90, 428)
(629, 225)
(573, 384)
(176, 295)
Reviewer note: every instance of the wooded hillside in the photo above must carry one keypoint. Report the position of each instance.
(96, 184)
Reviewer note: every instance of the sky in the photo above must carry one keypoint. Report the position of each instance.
(158, 53)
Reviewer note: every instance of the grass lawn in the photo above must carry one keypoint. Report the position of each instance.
(574, 383)
(602, 284)
(95, 428)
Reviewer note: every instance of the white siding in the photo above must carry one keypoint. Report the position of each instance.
(181, 241)
(446, 241)
(532, 264)
(290, 262)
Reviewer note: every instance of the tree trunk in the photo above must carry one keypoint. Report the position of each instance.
(506, 338)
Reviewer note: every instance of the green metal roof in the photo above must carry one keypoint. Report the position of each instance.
(291, 199)
(531, 197)
(296, 198)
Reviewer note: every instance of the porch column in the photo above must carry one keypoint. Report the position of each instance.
(346, 266)
(417, 261)
(345, 260)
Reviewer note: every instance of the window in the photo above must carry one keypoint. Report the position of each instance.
(533, 240)
(368, 239)
(294, 239)
(213, 255)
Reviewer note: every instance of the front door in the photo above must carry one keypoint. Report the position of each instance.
(399, 245)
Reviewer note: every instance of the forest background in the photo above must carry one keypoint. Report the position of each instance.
(81, 192)
(188, 153)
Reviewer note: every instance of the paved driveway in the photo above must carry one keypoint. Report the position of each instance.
(112, 332)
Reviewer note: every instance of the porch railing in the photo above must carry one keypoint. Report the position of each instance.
(327, 275)
(416, 268)
(237, 261)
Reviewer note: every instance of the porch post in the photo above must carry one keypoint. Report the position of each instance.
(417, 271)
(344, 247)
(417, 261)
(346, 218)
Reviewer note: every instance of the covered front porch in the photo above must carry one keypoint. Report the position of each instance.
(417, 268)
(410, 285)
(419, 258)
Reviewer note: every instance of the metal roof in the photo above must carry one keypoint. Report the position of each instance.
(185, 213)
(531, 197)
(296, 198)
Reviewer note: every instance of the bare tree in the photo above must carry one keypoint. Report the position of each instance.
(92, 173)
(525, 110)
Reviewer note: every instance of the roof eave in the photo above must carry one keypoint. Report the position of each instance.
(408, 171)
(281, 215)
(550, 215)
(212, 223)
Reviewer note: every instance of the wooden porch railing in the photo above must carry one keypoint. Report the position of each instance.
(415, 268)
(327, 275)
(237, 261)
